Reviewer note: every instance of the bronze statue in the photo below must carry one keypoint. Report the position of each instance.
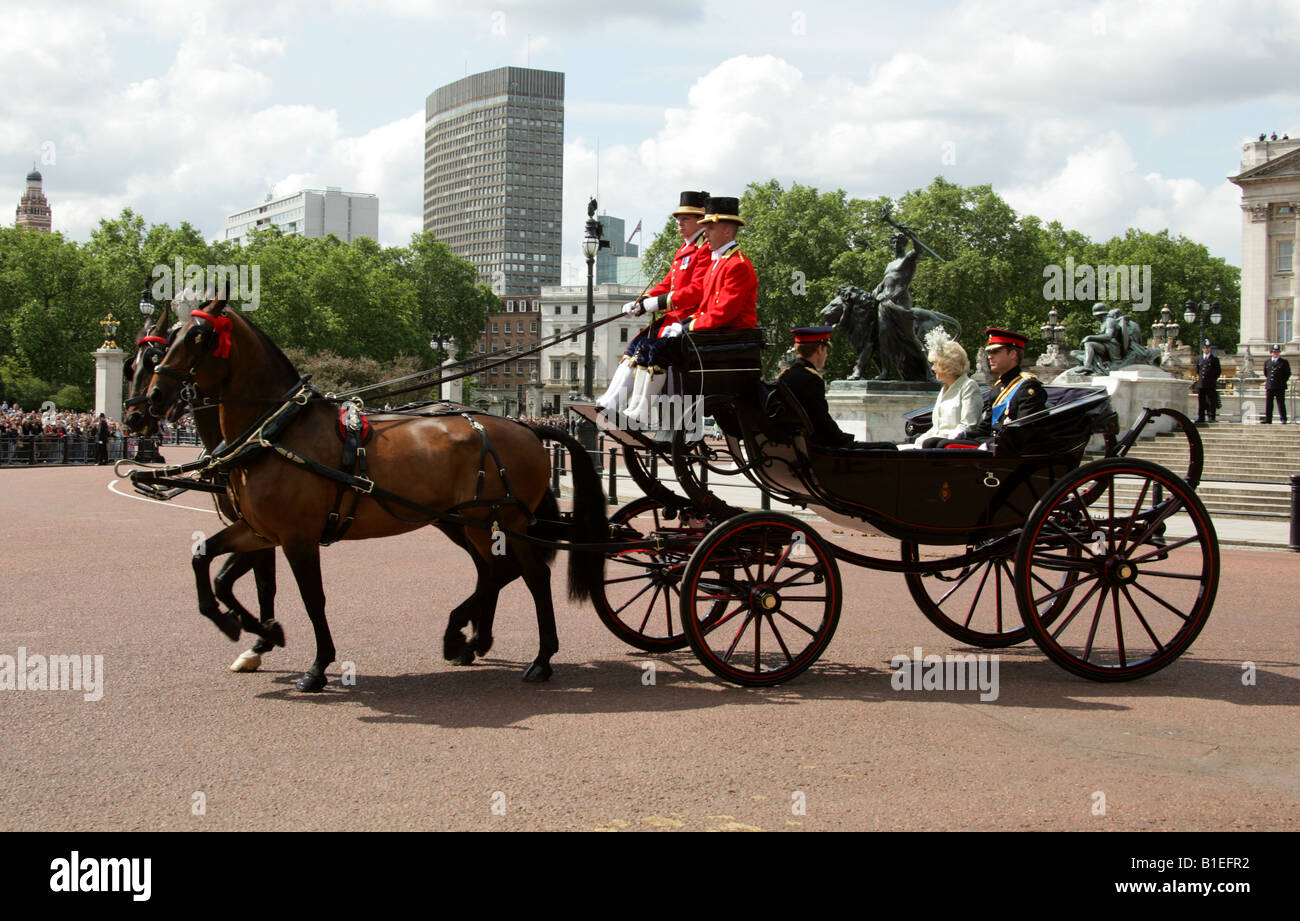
(856, 313)
(1118, 344)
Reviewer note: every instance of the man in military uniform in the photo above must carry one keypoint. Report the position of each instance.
(1016, 393)
(1277, 371)
(1207, 384)
(673, 300)
(812, 346)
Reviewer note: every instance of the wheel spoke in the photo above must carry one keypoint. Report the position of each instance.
(1160, 647)
(1092, 631)
(800, 624)
(1156, 598)
(1064, 588)
(740, 631)
(649, 585)
(1165, 549)
(1065, 622)
(1119, 628)
(970, 614)
(789, 659)
(649, 609)
(1137, 506)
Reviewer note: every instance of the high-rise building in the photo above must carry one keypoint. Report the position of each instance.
(310, 213)
(33, 210)
(618, 263)
(493, 175)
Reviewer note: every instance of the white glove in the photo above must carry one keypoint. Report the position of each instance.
(633, 309)
(653, 303)
(669, 332)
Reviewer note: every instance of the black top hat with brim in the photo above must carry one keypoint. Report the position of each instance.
(692, 204)
(723, 209)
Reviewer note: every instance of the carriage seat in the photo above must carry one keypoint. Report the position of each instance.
(722, 361)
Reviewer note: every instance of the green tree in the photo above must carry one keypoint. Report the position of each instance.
(448, 300)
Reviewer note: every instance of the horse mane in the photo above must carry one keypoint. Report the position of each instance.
(277, 357)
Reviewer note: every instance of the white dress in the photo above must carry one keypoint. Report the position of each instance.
(957, 407)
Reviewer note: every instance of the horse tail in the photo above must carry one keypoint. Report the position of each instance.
(590, 523)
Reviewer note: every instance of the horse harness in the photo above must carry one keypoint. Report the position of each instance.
(351, 477)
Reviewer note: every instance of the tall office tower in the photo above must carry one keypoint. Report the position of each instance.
(493, 175)
(33, 209)
(310, 213)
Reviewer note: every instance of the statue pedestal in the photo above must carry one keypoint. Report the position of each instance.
(1132, 389)
(874, 410)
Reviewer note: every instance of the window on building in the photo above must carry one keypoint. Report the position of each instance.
(622, 334)
(575, 309)
(1282, 324)
(532, 327)
(555, 370)
(573, 370)
(494, 329)
(558, 308)
(1285, 252)
(510, 306)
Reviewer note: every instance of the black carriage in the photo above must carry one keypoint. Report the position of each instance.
(1110, 566)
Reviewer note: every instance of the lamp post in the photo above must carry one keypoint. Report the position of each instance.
(146, 304)
(1165, 331)
(591, 245)
(438, 343)
(1200, 307)
(1054, 333)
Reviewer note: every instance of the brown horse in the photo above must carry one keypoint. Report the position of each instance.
(421, 470)
(151, 346)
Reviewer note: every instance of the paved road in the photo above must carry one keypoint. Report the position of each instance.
(419, 744)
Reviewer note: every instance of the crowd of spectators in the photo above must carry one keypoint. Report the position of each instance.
(64, 436)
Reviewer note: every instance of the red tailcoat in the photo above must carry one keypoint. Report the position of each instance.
(730, 298)
(684, 283)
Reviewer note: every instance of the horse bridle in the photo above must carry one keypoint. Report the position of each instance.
(148, 358)
(188, 393)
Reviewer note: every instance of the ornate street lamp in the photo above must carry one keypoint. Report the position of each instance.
(146, 303)
(1054, 333)
(1205, 309)
(1165, 332)
(591, 245)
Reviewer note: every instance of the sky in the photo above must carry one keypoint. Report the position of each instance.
(1102, 115)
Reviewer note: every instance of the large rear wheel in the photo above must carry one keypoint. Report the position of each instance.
(760, 598)
(1138, 553)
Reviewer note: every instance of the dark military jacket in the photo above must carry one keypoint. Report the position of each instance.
(1025, 399)
(806, 383)
(1207, 373)
(1277, 371)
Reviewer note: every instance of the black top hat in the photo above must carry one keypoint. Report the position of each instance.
(723, 209)
(692, 203)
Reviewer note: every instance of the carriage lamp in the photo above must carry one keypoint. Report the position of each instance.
(146, 303)
(1165, 332)
(1054, 333)
(1203, 308)
(109, 325)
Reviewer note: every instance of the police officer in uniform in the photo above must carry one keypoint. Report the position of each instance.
(1277, 371)
(1207, 384)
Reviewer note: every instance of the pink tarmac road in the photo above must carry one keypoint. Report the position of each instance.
(417, 743)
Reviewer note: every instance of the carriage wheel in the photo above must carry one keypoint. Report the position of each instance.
(639, 600)
(975, 603)
(760, 598)
(1141, 559)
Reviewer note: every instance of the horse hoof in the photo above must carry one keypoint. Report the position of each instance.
(274, 633)
(311, 683)
(248, 661)
(465, 658)
(538, 672)
(454, 649)
(226, 622)
(481, 644)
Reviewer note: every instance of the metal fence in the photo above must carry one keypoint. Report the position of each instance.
(51, 450)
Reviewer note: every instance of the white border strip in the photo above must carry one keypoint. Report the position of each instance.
(112, 487)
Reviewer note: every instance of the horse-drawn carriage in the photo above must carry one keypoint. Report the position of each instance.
(1113, 565)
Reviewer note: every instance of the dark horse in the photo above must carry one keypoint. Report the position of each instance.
(421, 469)
(151, 346)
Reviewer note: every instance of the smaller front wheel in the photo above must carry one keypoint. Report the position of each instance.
(760, 598)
